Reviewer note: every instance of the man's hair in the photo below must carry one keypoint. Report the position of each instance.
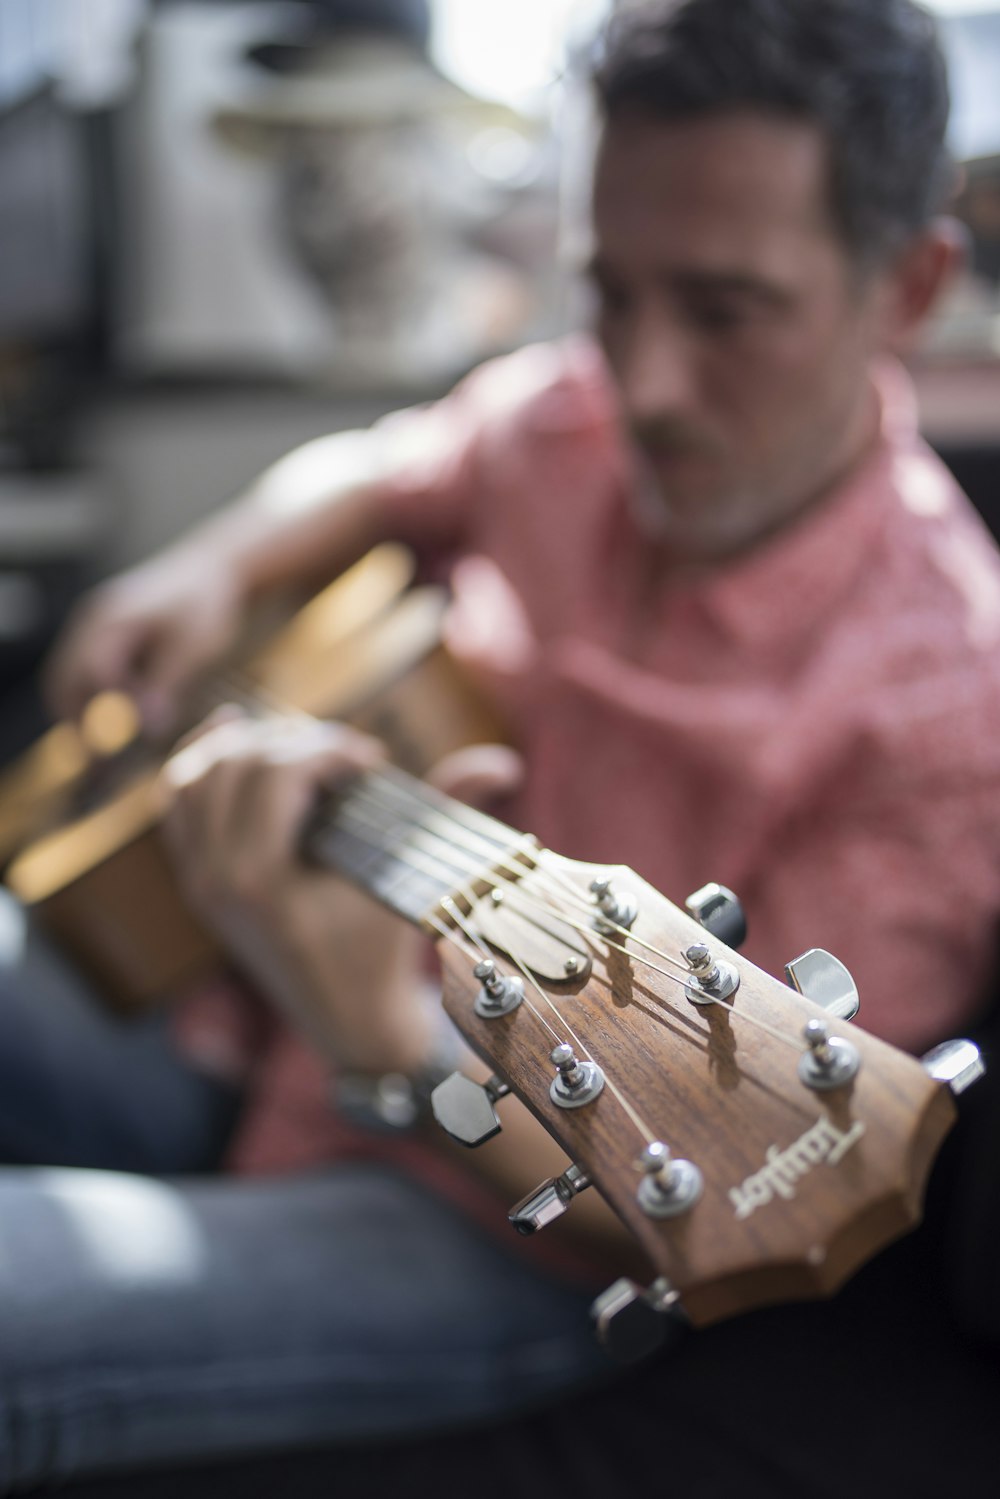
(868, 73)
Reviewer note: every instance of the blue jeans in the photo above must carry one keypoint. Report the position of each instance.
(147, 1318)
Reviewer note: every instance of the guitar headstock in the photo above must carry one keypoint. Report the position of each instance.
(798, 1145)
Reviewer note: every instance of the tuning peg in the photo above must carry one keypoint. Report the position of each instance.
(548, 1201)
(464, 1109)
(719, 911)
(828, 1062)
(957, 1063)
(615, 908)
(575, 1082)
(498, 995)
(631, 1322)
(819, 976)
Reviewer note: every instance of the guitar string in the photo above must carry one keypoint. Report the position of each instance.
(643, 1129)
(417, 794)
(514, 888)
(448, 817)
(408, 853)
(645, 1132)
(417, 843)
(470, 933)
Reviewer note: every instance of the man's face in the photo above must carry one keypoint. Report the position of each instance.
(735, 324)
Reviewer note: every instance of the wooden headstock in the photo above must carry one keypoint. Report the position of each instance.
(799, 1186)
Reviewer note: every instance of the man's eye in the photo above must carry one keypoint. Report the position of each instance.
(611, 298)
(719, 317)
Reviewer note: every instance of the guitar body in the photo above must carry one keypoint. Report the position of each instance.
(367, 649)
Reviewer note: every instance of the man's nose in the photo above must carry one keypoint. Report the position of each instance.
(655, 370)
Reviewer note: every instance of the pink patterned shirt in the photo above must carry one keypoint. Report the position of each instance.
(815, 724)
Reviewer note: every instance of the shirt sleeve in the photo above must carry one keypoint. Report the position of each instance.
(434, 457)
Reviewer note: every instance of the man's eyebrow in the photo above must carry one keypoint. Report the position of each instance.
(702, 283)
(734, 284)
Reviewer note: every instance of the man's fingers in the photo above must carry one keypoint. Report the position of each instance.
(479, 774)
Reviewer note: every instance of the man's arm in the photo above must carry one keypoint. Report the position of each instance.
(151, 630)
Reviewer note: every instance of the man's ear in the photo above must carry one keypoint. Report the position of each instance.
(917, 277)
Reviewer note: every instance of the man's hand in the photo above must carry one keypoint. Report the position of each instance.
(344, 971)
(148, 632)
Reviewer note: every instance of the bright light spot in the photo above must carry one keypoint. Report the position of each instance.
(512, 52)
(961, 7)
(133, 1228)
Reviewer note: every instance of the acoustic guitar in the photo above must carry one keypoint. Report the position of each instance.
(758, 1147)
(80, 811)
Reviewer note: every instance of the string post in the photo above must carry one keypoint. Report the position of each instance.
(575, 1083)
(499, 994)
(828, 1061)
(615, 911)
(711, 979)
(703, 965)
(669, 1186)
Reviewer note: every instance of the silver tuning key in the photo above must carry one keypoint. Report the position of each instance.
(498, 995)
(957, 1063)
(631, 1322)
(464, 1109)
(719, 911)
(819, 976)
(669, 1186)
(828, 1062)
(549, 1201)
(575, 1083)
(615, 909)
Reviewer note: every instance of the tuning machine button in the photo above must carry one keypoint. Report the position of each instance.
(464, 1109)
(631, 1322)
(957, 1063)
(575, 1082)
(669, 1186)
(829, 1061)
(711, 977)
(498, 995)
(719, 911)
(819, 976)
(548, 1201)
(614, 909)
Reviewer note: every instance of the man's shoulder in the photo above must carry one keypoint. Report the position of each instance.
(558, 385)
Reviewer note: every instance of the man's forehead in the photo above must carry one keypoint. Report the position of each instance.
(738, 172)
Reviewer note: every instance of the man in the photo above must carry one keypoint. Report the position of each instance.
(734, 611)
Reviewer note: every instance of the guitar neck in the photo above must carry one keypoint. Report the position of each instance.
(405, 843)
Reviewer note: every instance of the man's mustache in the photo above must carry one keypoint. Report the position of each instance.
(673, 437)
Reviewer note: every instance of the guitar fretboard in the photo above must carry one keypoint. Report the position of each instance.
(405, 843)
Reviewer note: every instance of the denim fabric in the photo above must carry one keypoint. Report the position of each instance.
(148, 1320)
(166, 1316)
(79, 1087)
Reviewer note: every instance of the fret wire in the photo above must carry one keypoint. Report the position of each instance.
(408, 855)
(523, 907)
(383, 784)
(415, 833)
(380, 883)
(461, 813)
(394, 831)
